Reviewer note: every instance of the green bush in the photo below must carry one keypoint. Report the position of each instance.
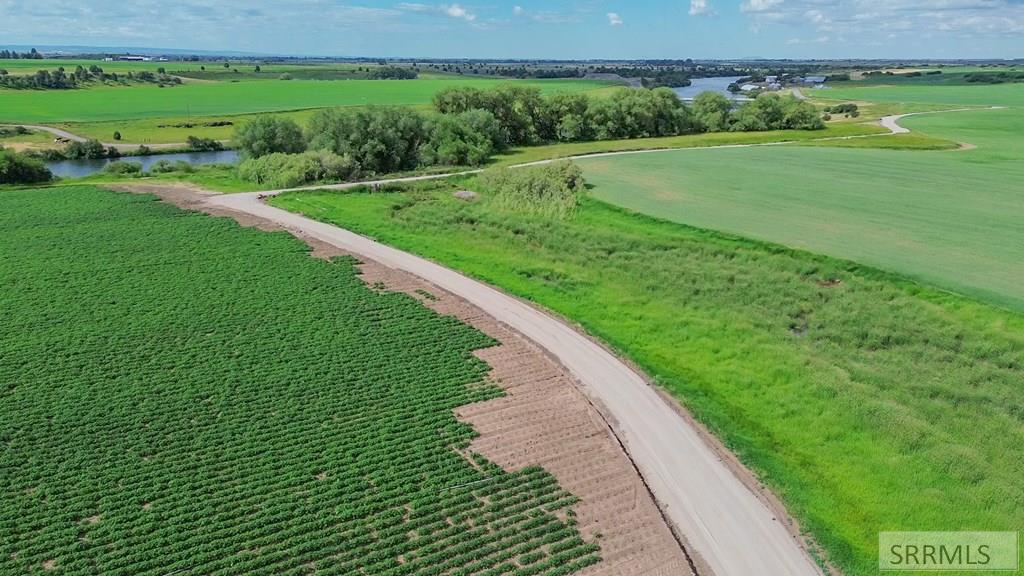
(280, 170)
(123, 168)
(551, 190)
(204, 144)
(166, 166)
(18, 168)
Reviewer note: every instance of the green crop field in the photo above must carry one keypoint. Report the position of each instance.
(949, 218)
(868, 403)
(214, 98)
(952, 96)
(179, 395)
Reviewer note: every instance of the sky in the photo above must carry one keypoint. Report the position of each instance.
(572, 29)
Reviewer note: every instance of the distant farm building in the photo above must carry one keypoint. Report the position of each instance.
(749, 87)
(815, 79)
(128, 58)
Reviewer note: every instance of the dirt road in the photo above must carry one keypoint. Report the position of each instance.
(120, 146)
(733, 531)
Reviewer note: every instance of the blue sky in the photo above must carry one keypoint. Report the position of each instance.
(534, 29)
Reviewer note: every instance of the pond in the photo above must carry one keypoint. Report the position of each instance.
(80, 168)
(699, 85)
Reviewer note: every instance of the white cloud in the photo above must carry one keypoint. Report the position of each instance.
(451, 10)
(614, 19)
(456, 11)
(518, 10)
(700, 8)
(759, 5)
(910, 19)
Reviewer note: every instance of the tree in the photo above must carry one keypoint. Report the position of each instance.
(258, 69)
(18, 168)
(90, 149)
(380, 139)
(451, 141)
(117, 135)
(267, 135)
(712, 111)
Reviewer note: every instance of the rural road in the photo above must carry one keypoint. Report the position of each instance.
(722, 520)
(892, 123)
(120, 146)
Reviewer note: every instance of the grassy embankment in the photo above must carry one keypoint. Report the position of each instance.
(209, 399)
(866, 401)
(947, 218)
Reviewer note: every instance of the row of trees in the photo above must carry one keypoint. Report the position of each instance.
(471, 125)
(528, 118)
(60, 79)
(32, 54)
(379, 139)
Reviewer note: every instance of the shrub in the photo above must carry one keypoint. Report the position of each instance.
(549, 190)
(267, 135)
(280, 170)
(123, 168)
(166, 166)
(117, 135)
(204, 144)
(18, 168)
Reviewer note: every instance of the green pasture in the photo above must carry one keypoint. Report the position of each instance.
(966, 95)
(218, 98)
(949, 218)
(866, 402)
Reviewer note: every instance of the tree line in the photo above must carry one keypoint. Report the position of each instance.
(470, 125)
(60, 79)
(32, 54)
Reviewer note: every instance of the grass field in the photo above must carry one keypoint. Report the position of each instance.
(951, 96)
(219, 98)
(562, 150)
(868, 403)
(179, 395)
(947, 218)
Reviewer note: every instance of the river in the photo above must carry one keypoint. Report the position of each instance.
(719, 85)
(80, 168)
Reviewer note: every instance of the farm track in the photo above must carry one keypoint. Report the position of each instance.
(119, 146)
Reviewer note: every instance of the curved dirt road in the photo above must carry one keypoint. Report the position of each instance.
(724, 522)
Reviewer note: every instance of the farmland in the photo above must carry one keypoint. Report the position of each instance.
(219, 98)
(210, 399)
(847, 389)
(947, 218)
